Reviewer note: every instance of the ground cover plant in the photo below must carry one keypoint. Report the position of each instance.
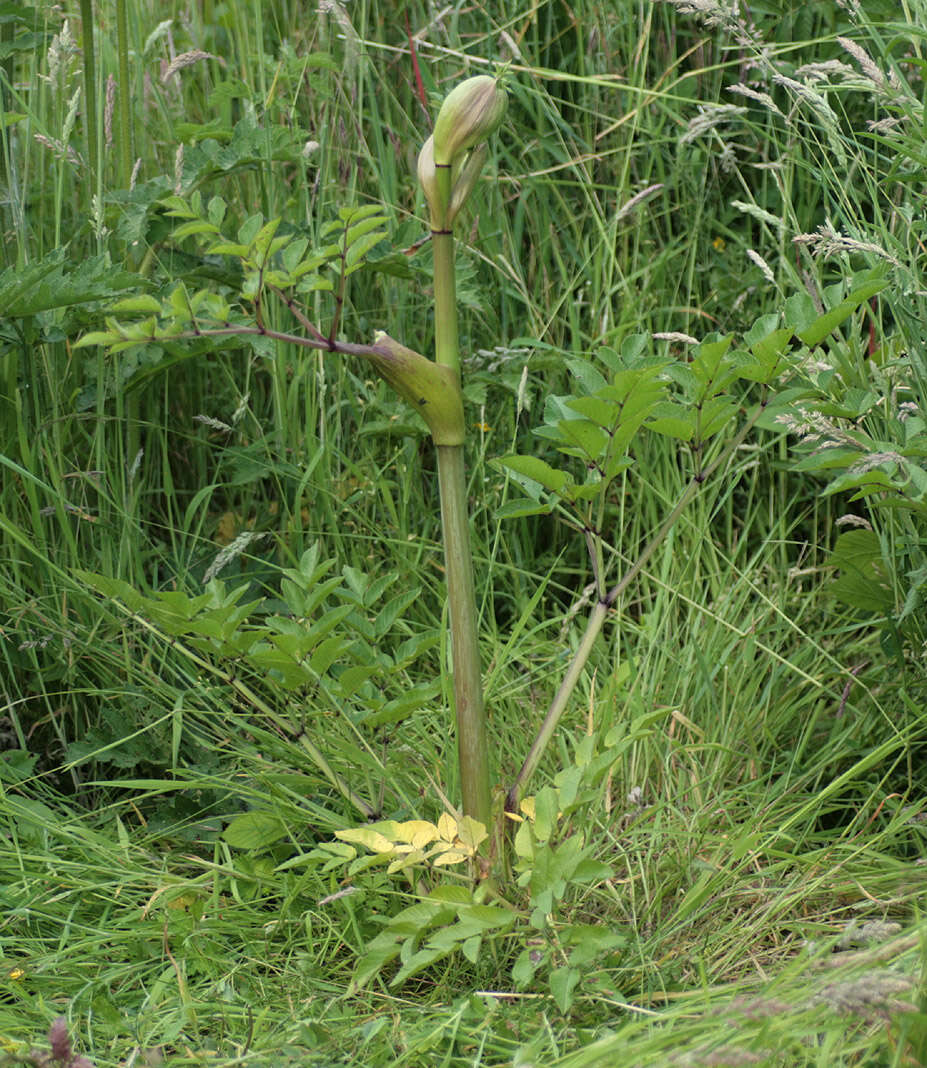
(230, 823)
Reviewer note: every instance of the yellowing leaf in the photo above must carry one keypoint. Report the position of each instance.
(182, 903)
(527, 806)
(369, 837)
(416, 856)
(452, 856)
(447, 827)
(417, 832)
(471, 832)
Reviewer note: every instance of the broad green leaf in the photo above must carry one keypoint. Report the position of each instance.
(372, 963)
(673, 419)
(327, 653)
(353, 677)
(633, 348)
(770, 347)
(763, 328)
(254, 830)
(525, 966)
(863, 483)
(401, 707)
(863, 582)
(250, 228)
(604, 413)
(216, 210)
(114, 589)
(589, 870)
(177, 208)
(852, 404)
(546, 810)
(352, 216)
(828, 459)
(707, 362)
(522, 506)
(416, 963)
(562, 984)
(615, 466)
(537, 470)
(393, 609)
(140, 305)
(97, 337)
(287, 672)
(355, 258)
(813, 333)
(582, 438)
(716, 413)
(196, 226)
(56, 281)
(586, 374)
(294, 251)
(359, 235)
(262, 241)
(227, 248)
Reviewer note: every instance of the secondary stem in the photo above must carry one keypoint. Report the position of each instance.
(599, 613)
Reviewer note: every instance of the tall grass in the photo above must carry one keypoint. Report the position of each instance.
(770, 803)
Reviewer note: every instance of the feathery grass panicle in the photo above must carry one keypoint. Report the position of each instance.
(758, 260)
(231, 552)
(826, 241)
(758, 95)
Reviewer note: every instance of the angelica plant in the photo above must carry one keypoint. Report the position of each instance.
(615, 397)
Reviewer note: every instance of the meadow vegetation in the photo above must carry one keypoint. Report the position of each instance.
(230, 829)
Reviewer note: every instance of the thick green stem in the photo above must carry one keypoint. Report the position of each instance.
(468, 685)
(472, 746)
(447, 352)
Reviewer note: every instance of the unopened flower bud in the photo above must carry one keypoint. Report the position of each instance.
(462, 183)
(427, 177)
(470, 114)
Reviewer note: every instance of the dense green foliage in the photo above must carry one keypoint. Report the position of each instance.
(697, 249)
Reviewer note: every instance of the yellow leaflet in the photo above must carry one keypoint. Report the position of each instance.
(369, 837)
(415, 857)
(471, 832)
(447, 827)
(452, 856)
(417, 832)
